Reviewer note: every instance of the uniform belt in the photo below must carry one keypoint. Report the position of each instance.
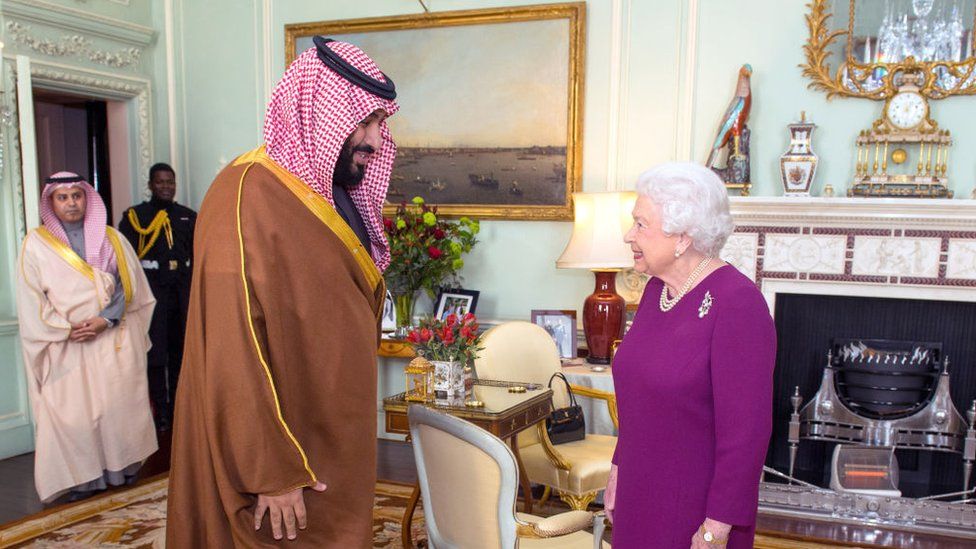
(154, 265)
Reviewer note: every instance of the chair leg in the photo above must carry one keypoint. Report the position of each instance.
(545, 496)
(580, 502)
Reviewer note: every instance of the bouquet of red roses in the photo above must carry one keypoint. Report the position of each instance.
(445, 340)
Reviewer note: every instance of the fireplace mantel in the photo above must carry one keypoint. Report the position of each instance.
(894, 243)
(856, 212)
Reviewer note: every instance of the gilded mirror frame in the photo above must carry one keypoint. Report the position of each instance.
(852, 73)
(573, 13)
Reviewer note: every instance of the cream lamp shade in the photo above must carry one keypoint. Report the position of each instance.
(601, 221)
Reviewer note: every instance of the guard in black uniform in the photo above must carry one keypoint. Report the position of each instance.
(161, 232)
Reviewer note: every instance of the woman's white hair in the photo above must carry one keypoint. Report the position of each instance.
(693, 201)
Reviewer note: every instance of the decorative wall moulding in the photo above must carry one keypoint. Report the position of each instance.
(74, 20)
(855, 212)
(9, 327)
(72, 46)
(107, 85)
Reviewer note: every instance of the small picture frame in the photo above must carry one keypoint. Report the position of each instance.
(561, 325)
(455, 301)
(389, 314)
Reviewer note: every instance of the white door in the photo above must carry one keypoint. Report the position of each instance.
(16, 428)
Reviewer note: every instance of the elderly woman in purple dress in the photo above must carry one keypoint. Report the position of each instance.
(693, 376)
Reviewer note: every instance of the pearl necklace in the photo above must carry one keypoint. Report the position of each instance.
(668, 304)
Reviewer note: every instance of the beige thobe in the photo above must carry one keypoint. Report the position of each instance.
(90, 400)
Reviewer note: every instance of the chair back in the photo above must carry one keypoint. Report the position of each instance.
(468, 478)
(521, 351)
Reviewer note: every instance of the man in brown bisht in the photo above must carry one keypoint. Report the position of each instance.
(275, 428)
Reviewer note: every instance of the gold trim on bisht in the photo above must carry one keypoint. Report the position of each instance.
(66, 253)
(257, 344)
(322, 209)
(125, 275)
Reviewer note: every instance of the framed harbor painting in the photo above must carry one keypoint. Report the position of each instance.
(490, 119)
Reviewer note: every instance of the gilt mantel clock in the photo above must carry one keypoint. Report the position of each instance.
(904, 153)
(905, 54)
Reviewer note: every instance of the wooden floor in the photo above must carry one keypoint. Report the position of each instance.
(395, 462)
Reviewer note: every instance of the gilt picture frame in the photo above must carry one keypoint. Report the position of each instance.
(490, 119)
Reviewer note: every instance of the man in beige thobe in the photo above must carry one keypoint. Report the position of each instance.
(84, 307)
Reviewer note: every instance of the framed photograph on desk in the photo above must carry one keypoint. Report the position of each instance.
(455, 301)
(389, 313)
(561, 325)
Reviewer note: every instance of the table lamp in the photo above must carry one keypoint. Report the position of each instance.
(597, 244)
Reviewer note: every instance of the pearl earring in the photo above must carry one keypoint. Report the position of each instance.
(677, 254)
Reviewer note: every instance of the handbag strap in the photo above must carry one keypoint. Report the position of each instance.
(569, 388)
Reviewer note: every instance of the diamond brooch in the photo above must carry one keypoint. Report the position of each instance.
(705, 306)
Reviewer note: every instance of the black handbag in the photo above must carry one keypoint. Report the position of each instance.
(566, 424)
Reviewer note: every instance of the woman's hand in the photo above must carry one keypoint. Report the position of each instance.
(718, 529)
(610, 494)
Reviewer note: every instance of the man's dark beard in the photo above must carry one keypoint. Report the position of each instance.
(348, 174)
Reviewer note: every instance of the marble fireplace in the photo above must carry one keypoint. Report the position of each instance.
(913, 256)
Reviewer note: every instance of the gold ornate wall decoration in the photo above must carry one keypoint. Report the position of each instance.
(854, 78)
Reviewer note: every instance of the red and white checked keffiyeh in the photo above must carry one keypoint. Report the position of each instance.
(98, 250)
(313, 110)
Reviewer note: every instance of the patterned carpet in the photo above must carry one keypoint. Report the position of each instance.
(137, 518)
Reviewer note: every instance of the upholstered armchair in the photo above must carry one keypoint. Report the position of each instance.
(469, 478)
(577, 471)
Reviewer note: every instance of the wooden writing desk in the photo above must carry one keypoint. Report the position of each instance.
(505, 415)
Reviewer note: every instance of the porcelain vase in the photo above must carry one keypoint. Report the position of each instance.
(449, 383)
(798, 165)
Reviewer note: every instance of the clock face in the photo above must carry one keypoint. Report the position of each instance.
(907, 110)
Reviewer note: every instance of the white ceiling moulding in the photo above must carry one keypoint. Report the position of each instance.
(70, 19)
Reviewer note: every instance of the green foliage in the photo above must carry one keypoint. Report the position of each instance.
(425, 249)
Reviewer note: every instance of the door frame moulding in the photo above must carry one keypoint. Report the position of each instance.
(136, 92)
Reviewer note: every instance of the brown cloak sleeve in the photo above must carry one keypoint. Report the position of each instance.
(278, 387)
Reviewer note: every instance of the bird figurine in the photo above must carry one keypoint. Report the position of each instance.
(733, 131)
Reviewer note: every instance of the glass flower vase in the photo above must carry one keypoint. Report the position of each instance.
(404, 302)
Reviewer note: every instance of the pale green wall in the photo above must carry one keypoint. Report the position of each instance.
(106, 27)
(679, 62)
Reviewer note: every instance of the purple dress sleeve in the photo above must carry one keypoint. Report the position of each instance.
(743, 355)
